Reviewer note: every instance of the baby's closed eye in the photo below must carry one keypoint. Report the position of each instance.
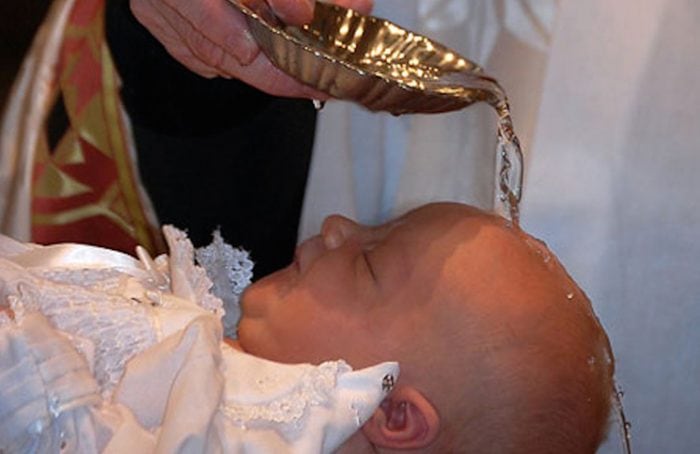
(370, 267)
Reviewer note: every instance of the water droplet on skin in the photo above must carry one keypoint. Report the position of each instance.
(540, 249)
(570, 296)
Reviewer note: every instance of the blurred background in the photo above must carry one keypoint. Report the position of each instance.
(18, 22)
(604, 97)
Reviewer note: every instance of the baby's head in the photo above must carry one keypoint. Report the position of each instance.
(499, 349)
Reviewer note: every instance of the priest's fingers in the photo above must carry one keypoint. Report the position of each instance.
(170, 39)
(208, 28)
(262, 74)
(212, 39)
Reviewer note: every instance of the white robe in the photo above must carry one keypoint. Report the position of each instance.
(105, 354)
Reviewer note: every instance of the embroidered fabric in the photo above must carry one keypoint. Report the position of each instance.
(112, 313)
(287, 412)
(230, 270)
(116, 326)
(296, 408)
(43, 378)
(187, 280)
(108, 312)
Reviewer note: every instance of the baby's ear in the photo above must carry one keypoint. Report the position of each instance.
(404, 420)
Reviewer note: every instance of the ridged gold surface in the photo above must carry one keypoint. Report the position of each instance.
(370, 61)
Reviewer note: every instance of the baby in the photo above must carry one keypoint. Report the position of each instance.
(499, 349)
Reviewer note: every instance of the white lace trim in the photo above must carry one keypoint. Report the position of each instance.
(287, 414)
(187, 280)
(230, 270)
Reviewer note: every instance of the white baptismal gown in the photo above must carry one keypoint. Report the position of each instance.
(110, 354)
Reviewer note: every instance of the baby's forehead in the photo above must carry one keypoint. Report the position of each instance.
(461, 229)
(456, 245)
(436, 218)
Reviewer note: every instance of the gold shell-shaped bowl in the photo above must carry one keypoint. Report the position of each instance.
(369, 60)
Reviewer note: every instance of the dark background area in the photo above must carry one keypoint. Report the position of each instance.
(19, 20)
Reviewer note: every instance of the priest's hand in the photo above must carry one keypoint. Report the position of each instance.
(211, 38)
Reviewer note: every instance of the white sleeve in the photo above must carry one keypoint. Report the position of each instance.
(176, 387)
(49, 400)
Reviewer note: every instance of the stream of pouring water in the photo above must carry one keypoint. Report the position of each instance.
(510, 159)
(510, 185)
(474, 86)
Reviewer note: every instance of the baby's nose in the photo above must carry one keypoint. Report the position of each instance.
(336, 229)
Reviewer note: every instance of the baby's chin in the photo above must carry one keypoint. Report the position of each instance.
(254, 340)
(246, 335)
(257, 303)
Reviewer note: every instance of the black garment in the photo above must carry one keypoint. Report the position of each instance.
(213, 152)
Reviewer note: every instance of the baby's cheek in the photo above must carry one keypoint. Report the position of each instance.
(259, 299)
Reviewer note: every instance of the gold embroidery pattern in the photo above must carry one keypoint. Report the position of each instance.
(85, 188)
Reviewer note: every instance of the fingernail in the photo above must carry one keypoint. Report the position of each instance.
(252, 47)
(243, 47)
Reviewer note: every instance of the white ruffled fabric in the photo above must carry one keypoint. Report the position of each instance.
(110, 354)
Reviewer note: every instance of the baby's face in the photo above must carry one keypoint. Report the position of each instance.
(357, 292)
(472, 309)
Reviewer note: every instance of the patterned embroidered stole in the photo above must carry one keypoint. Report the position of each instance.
(84, 185)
